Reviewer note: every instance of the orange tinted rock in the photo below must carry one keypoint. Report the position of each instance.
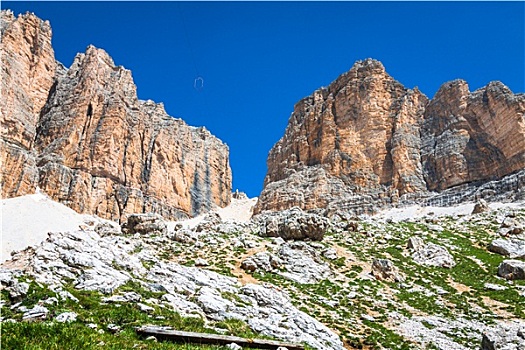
(366, 141)
(93, 145)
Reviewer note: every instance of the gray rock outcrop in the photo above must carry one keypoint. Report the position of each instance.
(509, 337)
(93, 262)
(293, 224)
(430, 254)
(512, 248)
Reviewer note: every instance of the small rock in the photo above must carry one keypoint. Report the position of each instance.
(107, 228)
(36, 312)
(234, 346)
(415, 243)
(113, 328)
(65, 295)
(157, 287)
(151, 338)
(436, 228)
(132, 297)
(114, 299)
(492, 286)
(330, 254)
(183, 235)
(368, 318)
(521, 332)
(261, 260)
(145, 308)
(250, 244)
(352, 295)
(201, 262)
(481, 206)
(509, 222)
(239, 195)
(249, 265)
(50, 301)
(512, 270)
(384, 269)
(277, 241)
(66, 317)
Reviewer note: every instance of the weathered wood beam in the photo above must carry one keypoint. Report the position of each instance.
(205, 338)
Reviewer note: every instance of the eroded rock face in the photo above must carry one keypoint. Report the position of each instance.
(366, 141)
(360, 135)
(84, 137)
(469, 137)
(29, 71)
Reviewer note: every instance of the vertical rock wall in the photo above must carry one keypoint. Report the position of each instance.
(366, 141)
(84, 137)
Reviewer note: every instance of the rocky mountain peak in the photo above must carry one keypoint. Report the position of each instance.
(367, 66)
(366, 141)
(82, 135)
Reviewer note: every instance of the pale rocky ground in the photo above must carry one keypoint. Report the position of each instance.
(440, 288)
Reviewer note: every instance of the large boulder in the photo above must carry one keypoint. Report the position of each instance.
(145, 224)
(262, 260)
(293, 224)
(481, 206)
(513, 248)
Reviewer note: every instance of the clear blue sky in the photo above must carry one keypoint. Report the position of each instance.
(258, 59)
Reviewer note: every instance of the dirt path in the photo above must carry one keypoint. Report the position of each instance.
(242, 276)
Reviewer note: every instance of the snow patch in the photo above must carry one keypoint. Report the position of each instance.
(416, 211)
(26, 220)
(239, 210)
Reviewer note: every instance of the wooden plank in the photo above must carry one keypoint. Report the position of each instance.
(205, 338)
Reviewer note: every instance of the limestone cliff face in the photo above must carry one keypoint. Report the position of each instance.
(366, 141)
(360, 135)
(475, 136)
(100, 150)
(28, 73)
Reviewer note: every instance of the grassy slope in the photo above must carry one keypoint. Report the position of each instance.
(345, 303)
